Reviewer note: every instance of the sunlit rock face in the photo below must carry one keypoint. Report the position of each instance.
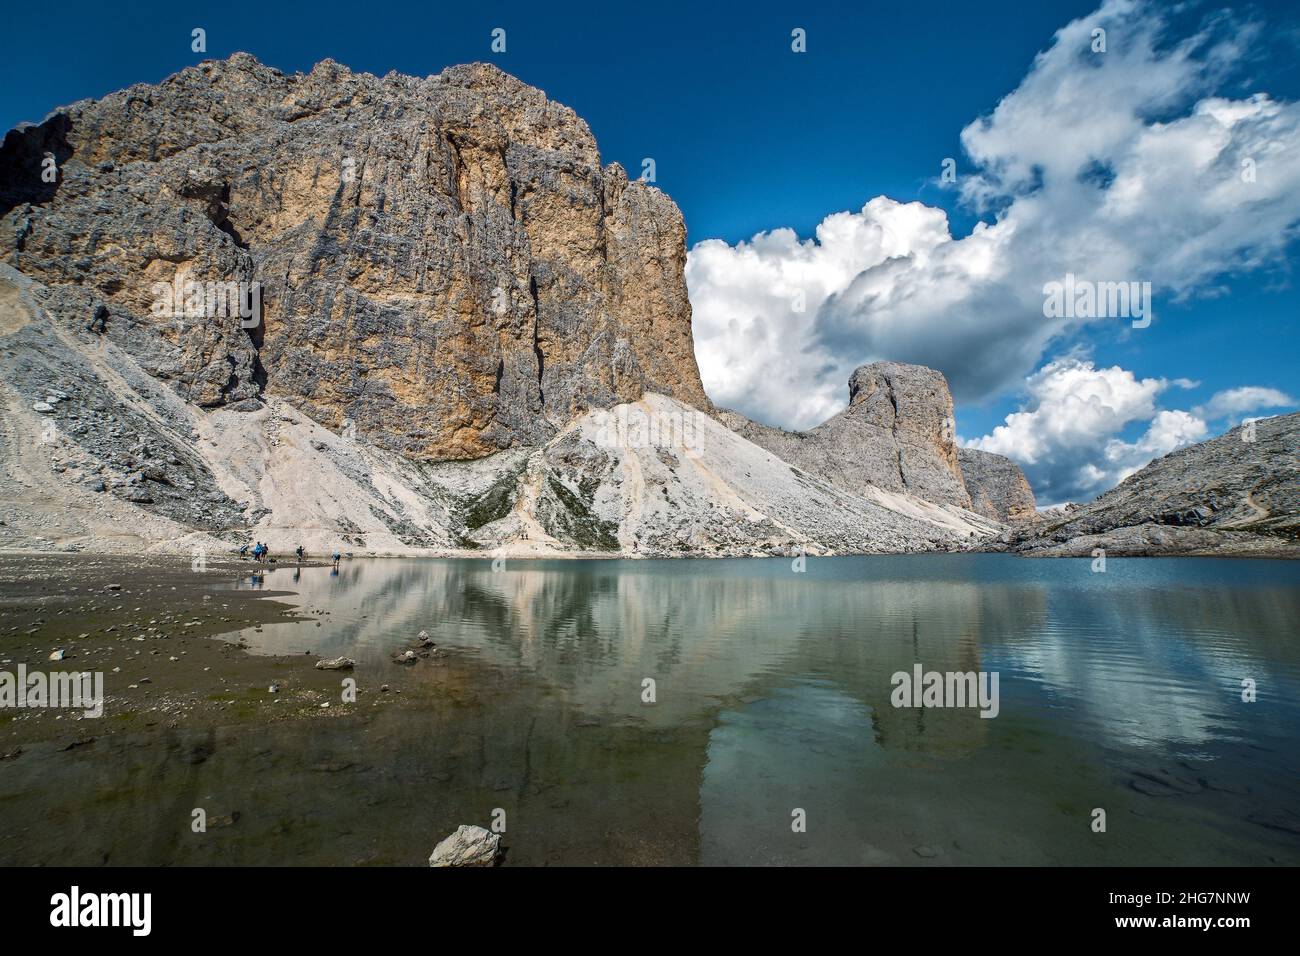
(397, 314)
(444, 264)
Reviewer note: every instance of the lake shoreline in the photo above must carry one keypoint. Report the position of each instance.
(179, 670)
(1264, 551)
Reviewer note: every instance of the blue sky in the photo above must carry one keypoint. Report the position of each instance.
(748, 136)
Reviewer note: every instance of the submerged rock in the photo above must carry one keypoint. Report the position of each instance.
(1283, 820)
(468, 846)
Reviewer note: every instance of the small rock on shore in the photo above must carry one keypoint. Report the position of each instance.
(468, 846)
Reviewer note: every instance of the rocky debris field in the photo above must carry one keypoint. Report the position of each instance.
(713, 494)
(118, 462)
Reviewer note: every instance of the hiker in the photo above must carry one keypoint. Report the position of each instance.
(101, 317)
(337, 556)
(300, 554)
(243, 552)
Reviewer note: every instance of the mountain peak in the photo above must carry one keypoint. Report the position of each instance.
(443, 263)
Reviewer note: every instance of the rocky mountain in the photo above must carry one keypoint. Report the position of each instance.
(898, 434)
(700, 488)
(396, 315)
(998, 488)
(444, 264)
(1238, 494)
(95, 453)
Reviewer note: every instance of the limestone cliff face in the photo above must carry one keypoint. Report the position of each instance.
(906, 410)
(997, 486)
(445, 265)
(897, 434)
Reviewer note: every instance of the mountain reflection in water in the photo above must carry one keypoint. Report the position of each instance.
(1119, 691)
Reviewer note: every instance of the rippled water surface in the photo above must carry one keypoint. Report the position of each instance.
(1120, 691)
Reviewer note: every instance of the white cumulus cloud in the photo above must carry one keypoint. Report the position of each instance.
(1233, 403)
(1115, 166)
(1067, 437)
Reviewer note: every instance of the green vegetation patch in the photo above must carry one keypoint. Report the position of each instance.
(495, 503)
(577, 523)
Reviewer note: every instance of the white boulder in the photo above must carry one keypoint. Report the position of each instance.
(468, 846)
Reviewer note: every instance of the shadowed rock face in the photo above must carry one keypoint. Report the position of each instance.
(444, 262)
(997, 486)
